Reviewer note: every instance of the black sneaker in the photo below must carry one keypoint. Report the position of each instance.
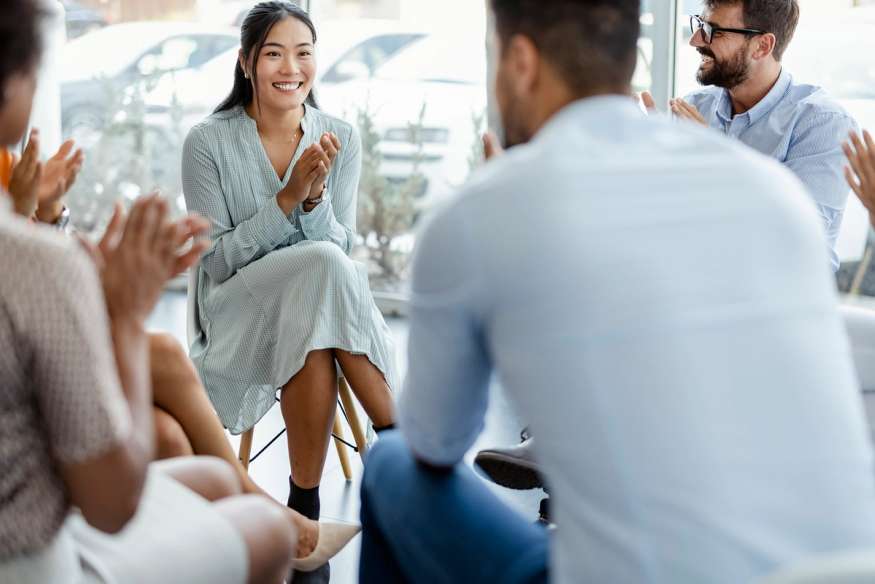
(513, 467)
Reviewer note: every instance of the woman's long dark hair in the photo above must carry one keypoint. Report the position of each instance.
(253, 34)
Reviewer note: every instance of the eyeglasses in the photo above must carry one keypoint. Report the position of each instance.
(697, 24)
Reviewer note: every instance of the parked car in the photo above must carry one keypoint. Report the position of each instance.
(441, 79)
(81, 19)
(100, 66)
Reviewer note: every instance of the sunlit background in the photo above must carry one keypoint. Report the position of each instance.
(136, 75)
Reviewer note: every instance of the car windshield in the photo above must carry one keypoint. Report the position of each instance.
(437, 59)
(108, 51)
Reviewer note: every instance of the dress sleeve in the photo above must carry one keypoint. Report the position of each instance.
(233, 246)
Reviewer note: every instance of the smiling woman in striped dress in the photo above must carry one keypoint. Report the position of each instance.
(278, 298)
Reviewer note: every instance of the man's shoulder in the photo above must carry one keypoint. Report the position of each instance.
(812, 101)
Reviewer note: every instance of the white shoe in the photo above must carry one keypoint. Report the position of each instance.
(332, 538)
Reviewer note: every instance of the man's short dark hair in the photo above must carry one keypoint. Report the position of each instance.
(20, 43)
(591, 43)
(778, 17)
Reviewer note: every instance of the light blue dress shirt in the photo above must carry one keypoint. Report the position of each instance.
(674, 343)
(798, 125)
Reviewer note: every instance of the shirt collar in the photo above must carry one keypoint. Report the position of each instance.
(599, 109)
(763, 107)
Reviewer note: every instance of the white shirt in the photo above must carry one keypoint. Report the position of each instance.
(656, 300)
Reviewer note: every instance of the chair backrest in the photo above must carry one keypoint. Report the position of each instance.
(856, 567)
(860, 324)
(192, 324)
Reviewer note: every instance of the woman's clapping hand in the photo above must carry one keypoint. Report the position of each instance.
(309, 173)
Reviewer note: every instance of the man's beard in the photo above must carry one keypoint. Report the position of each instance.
(727, 74)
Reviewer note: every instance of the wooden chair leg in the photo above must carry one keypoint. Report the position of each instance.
(246, 447)
(341, 448)
(352, 416)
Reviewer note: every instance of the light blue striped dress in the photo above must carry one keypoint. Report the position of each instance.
(273, 287)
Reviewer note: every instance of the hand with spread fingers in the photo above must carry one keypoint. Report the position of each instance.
(860, 170)
(24, 184)
(59, 174)
(685, 111)
(646, 99)
(141, 252)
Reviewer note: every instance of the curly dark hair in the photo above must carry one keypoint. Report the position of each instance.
(778, 17)
(20, 42)
(589, 42)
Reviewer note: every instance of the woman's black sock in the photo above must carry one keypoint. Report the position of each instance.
(379, 429)
(304, 501)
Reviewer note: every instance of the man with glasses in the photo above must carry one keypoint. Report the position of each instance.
(749, 96)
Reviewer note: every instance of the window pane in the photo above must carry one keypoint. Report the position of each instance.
(411, 75)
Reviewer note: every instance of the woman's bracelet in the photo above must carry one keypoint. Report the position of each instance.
(312, 203)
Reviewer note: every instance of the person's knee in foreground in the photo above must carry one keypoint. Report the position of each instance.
(657, 328)
(437, 524)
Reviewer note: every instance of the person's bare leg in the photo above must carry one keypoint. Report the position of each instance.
(210, 477)
(177, 390)
(309, 403)
(170, 438)
(369, 386)
(270, 539)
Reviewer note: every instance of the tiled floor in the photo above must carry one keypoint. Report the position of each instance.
(340, 500)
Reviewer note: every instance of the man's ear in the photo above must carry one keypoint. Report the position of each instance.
(764, 46)
(524, 62)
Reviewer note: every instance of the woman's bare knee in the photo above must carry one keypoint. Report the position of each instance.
(210, 477)
(170, 438)
(269, 535)
(170, 364)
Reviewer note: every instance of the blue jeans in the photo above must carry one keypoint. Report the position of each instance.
(423, 525)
